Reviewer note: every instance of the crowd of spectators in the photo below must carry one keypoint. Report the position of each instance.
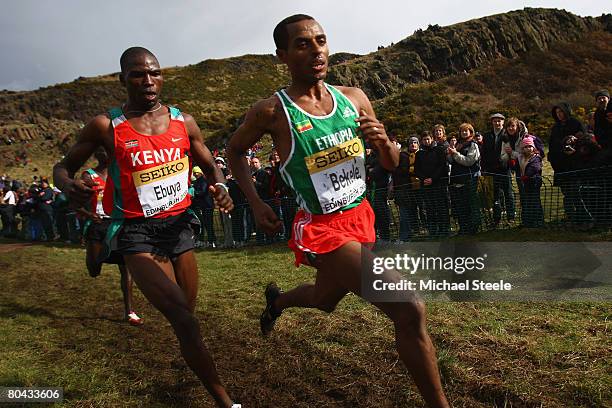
(36, 211)
(465, 176)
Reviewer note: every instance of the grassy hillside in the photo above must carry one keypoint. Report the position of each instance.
(490, 354)
(568, 62)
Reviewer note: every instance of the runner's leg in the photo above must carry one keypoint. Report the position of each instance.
(186, 272)
(324, 295)
(92, 252)
(126, 289)
(156, 279)
(339, 272)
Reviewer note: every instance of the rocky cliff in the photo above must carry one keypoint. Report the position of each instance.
(437, 52)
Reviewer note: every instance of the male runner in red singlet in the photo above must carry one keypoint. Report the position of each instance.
(151, 147)
(95, 230)
(315, 129)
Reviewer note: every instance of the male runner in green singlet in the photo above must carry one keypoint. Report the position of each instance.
(152, 147)
(315, 130)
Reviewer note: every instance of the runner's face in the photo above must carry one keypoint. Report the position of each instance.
(307, 52)
(143, 80)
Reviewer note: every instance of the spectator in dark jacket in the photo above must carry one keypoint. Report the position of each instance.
(45, 210)
(239, 221)
(203, 206)
(585, 159)
(286, 195)
(558, 155)
(492, 165)
(379, 181)
(262, 184)
(406, 191)
(602, 98)
(565, 125)
(432, 170)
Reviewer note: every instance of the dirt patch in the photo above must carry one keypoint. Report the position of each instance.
(12, 247)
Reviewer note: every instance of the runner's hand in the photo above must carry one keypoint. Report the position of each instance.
(90, 215)
(266, 218)
(79, 192)
(372, 130)
(223, 201)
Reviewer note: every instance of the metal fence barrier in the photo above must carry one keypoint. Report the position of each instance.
(578, 200)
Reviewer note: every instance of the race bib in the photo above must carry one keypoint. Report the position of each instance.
(338, 174)
(161, 187)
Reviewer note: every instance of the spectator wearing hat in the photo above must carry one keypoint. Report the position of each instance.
(464, 159)
(494, 167)
(530, 171)
(432, 169)
(558, 156)
(406, 191)
(602, 99)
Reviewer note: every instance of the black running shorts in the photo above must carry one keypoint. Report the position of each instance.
(97, 232)
(168, 237)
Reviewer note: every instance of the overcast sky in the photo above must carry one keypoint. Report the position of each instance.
(44, 42)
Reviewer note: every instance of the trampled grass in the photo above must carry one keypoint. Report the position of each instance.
(61, 328)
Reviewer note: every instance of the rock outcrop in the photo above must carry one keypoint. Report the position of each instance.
(438, 52)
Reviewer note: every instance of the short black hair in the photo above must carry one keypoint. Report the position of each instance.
(128, 56)
(281, 35)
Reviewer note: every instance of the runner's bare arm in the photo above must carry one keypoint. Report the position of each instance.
(256, 124)
(90, 138)
(372, 129)
(203, 158)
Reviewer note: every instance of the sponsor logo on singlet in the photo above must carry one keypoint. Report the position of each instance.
(348, 112)
(161, 187)
(338, 172)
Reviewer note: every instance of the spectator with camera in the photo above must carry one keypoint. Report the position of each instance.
(586, 159)
(558, 155)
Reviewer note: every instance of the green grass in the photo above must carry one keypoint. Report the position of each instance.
(61, 328)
